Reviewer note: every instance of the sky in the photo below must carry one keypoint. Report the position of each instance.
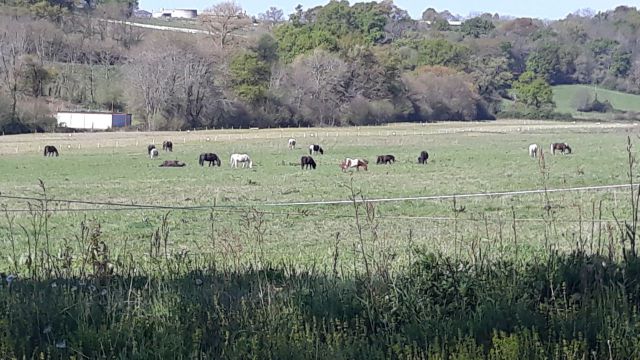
(543, 9)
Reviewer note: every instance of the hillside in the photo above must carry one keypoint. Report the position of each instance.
(334, 65)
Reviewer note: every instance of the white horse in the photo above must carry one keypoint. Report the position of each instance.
(292, 143)
(533, 150)
(242, 158)
(153, 153)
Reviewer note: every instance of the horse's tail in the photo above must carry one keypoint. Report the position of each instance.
(551, 148)
(201, 161)
(45, 151)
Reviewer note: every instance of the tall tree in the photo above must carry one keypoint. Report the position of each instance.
(533, 90)
(272, 16)
(224, 20)
(14, 43)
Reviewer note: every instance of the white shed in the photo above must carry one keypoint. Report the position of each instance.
(92, 120)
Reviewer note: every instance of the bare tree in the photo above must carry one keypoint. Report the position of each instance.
(175, 84)
(14, 44)
(314, 86)
(440, 93)
(223, 20)
(272, 16)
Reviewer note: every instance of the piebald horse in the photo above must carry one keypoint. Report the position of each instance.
(292, 144)
(314, 149)
(153, 153)
(354, 163)
(240, 158)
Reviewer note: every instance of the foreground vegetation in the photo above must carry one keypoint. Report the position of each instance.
(567, 306)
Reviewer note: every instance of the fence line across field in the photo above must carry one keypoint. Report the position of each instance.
(213, 135)
(242, 207)
(455, 196)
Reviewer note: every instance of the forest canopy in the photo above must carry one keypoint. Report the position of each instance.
(331, 65)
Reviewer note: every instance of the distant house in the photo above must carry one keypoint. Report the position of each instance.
(452, 23)
(92, 120)
(142, 13)
(176, 13)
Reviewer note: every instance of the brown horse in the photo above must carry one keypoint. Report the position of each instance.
(172, 163)
(167, 146)
(562, 147)
(354, 163)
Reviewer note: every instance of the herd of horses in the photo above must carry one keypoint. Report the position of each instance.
(306, 162)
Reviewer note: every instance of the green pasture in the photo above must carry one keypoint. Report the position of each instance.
(565, 98)
(242, 222)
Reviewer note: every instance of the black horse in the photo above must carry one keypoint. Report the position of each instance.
(172, 163)
(167, 146)
(386, 159)
(307, 162)
(211, 158)
(314, 149)
(423, 157)
(50, 150)
(149, 148)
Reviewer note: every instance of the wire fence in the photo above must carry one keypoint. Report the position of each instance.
(303, 207)
(79, 141)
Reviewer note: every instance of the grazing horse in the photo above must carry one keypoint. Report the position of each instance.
(50, 150)
(242, 158)
(172, 163)
(314, 149)
(167, 146)
(211, 158)
(153, 153)
(562, 147)
(423, 157)
(533, 150)
(292, 144)
(149, 148)
(308, 162)
(354, 163)
(386, 159)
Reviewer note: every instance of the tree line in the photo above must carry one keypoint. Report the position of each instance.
(331, 65)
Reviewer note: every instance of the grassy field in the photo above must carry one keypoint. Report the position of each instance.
(465, 158)
(564, 96)
(497, 277)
